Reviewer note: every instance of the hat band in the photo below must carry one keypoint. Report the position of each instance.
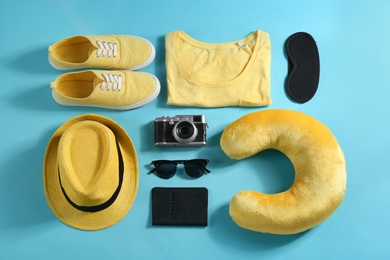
(108, 202)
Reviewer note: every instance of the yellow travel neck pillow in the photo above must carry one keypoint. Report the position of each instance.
(320, 171)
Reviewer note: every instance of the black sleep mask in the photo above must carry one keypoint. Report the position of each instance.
(304, 67)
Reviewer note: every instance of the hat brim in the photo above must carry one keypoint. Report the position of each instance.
(56, 199)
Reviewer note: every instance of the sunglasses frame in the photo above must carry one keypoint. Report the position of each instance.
(202, 166)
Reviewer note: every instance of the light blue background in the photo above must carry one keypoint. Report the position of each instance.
(353, 38)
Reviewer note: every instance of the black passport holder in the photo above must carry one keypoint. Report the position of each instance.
(179, 206)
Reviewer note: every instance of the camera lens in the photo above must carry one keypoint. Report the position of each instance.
(185, 132)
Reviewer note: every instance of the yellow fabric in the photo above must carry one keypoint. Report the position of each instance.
(56, 152)
(216, 75)
(84, 89)
(79, 52)
(320, 171)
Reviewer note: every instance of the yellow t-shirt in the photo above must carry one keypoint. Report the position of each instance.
(217, 75)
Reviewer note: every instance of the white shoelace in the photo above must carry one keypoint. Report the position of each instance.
(108, 48)
(112, 82)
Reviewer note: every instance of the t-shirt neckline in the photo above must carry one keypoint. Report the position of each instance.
(205, 45)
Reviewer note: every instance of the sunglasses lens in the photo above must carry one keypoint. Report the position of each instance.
(166, 170)
(196, 168)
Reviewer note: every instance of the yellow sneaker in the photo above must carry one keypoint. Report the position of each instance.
(101, 51)
(110, 89)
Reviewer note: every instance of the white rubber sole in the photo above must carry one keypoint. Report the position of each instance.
(144, 102)
(147, 62)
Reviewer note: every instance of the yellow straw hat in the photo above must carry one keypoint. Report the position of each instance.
(90, 172)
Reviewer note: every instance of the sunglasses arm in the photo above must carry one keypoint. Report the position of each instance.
(206, 170)
(152, 170)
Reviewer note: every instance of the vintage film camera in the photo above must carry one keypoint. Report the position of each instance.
(180, 131)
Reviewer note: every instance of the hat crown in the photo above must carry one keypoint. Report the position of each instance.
(88, 163)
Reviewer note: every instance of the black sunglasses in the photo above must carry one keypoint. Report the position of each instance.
(166, 169)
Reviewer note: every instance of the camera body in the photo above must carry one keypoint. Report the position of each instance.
(180, 131)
